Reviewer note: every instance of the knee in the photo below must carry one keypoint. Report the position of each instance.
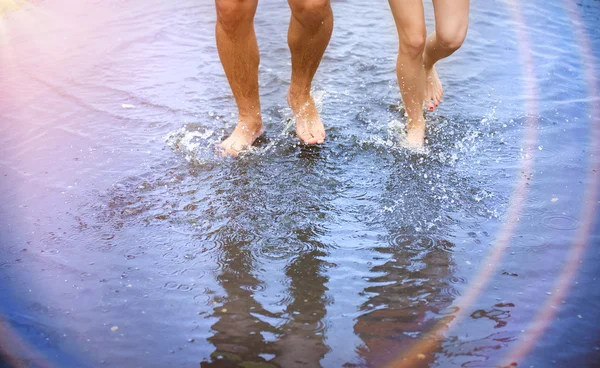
(451, 40)
(413, 43)
(232, 13)
(310, 12)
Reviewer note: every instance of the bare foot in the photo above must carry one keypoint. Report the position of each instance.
(415, 134)
(244, 134)
(309, 127)
(433, 89)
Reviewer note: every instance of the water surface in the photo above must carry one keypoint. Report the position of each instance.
(127, 243)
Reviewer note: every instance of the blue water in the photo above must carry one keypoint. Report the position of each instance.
(125, 242)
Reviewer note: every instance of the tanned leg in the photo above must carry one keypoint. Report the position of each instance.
(310, 29)
(451, 23)
(410, 23)
(238, 51)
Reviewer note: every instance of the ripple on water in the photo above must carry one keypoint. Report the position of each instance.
(174, 285)
(107, 236)
(529, 242)
(321, 327)
(419, 242)
(233, 246)
(168, 272)
(451, 290)
(171, 285)
(185, 287)
(539, 153)
(561, 222)
(457, 280)
(534, 208)
(287, 299)
(277, 251)
(206, 297)
(134, 252)
(203, 299)
(254, 287)
(174, 257)
(104, 248)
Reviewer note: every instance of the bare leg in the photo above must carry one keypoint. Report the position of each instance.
(410, 23)
(238, 51)
(310, 29)
(451, 23)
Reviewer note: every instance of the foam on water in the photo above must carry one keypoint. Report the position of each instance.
(193, 141)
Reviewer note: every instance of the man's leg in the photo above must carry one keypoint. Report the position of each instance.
(451, 23)
(238, 51)
(309, 33)
(410, 23)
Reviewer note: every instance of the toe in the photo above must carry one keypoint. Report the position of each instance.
(232, 146)
(322, 139)
(227, 150)
(430, 106)
(320, 136)
(431, 100)
(306, 137)
(312, 140)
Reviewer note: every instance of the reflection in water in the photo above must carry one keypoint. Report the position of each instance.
(102, 226)
(246, 333)
(294, 213)
(410, 290)
(302, 343)
(243, 334)
(409, 298)
(238, 335)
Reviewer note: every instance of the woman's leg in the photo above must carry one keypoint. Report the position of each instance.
(410, 23)
(451, 23)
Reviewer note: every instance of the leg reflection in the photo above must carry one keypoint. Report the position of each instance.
(302, 341)
(240, 331)
(238, 337)
(409, 299)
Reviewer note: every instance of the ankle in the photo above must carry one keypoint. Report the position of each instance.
(249, 115)
(299, 93)
(251, 121)
(415, 123)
